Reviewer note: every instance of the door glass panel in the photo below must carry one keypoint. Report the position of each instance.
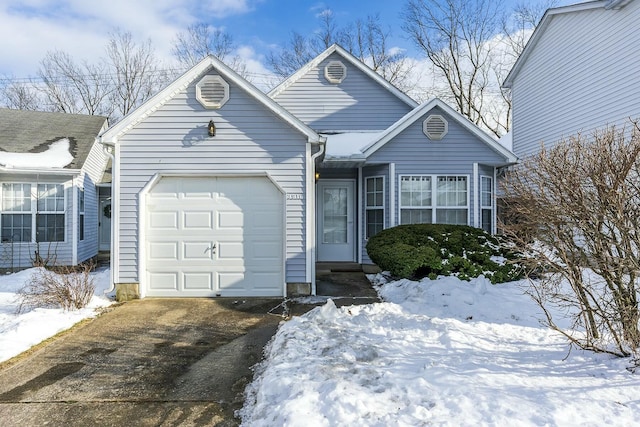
(334, 215)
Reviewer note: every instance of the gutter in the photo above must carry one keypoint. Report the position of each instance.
(106, 149)
(311, 206)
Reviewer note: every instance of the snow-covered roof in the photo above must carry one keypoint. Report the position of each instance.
(57, 155)
(35, 132)
(506, 140)
(349, 145)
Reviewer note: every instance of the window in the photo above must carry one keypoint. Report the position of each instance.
(374, 205)
(81, 213)
(433, 199)
(486, 203)
(50, 214)
(16, 212)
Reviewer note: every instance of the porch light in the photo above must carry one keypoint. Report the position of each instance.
(317, 176)
(211, 128)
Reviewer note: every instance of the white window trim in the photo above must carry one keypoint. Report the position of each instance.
(368, 208)
(434, 205)
(34, 209)
(492, 200)
(82, 225)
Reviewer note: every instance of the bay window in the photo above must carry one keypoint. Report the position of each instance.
(434, 199)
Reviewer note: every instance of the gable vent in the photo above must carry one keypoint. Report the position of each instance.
(335, 72)
(212, 91)
(435, 127)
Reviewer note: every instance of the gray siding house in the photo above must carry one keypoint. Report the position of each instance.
(222, 190)
(51, 174)
(578, 73)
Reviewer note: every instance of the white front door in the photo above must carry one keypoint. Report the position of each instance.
(336, 227)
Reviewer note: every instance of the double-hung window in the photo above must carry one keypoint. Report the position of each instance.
(374, 204)
(16, 212)
(486, 203)
(50, 215)
(434, 199)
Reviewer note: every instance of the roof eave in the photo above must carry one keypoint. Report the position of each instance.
(47, 171)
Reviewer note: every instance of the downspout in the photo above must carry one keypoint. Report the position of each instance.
(105, 149)
(311, 229)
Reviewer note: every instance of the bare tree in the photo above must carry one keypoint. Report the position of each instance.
(456, 37)
(200, 40)
(365, 39)
(135, 71)
(19, 95)
(518, 26)
(72, 88)
(574, 210)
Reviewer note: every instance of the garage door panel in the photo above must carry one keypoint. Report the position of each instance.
(163, 281)
(197, 281)
(241, 216)
(160, 220)
(197, 251)
(197, 220)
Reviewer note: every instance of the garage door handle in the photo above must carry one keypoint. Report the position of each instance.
(212, 249)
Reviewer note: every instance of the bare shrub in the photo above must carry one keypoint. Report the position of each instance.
(69, 288)
(575, 210)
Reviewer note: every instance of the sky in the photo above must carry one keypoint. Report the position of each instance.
(31, 28)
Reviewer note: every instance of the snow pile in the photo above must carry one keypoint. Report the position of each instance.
(56, 156)
(19, 332)
(442, 352)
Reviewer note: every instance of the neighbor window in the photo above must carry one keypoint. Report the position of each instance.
(433, 199)
(486, 203)
(50, 215)
(374, 204)
(16, 212)
(81, 213)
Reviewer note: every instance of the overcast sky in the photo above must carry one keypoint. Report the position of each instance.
(30, 28)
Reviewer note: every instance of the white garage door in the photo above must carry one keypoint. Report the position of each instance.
(214, 236)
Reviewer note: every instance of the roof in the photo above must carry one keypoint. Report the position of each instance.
(210, 62)
(349, 145)
(353, 61)
(23, 131)
(546, 20)
(420, 111)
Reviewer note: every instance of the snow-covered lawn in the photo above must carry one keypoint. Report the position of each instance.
(443, 352)
(19, 332)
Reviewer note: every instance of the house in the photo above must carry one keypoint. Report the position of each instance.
(51, 174)
(222, 190)
(578, 73)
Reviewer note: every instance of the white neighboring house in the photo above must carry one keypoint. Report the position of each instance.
(51, 170)
(579, 72)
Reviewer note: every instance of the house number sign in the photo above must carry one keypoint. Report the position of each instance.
(294, 196)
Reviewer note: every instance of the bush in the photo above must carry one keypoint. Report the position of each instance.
(68, 288)
(430, 250)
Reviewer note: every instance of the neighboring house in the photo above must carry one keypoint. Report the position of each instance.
(578, 73)
(221, 190)
(51, 169)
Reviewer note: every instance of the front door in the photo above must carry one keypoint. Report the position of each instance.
(336, 228)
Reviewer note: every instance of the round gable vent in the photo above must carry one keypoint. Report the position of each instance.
(435, 127)
(335, 72)
(212, 92)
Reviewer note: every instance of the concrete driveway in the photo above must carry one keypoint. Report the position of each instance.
(152, 362)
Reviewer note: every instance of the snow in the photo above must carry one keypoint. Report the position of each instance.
(349, 144)
(19, 332)
(436, 352)
(56, 156)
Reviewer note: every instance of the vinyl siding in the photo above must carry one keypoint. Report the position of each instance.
(88, 247)
(415, 154)
(174, 138)
(358, 103)
(582, 75)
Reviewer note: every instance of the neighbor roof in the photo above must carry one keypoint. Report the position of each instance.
(546, 20)
(23, 131)
(353, 61)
